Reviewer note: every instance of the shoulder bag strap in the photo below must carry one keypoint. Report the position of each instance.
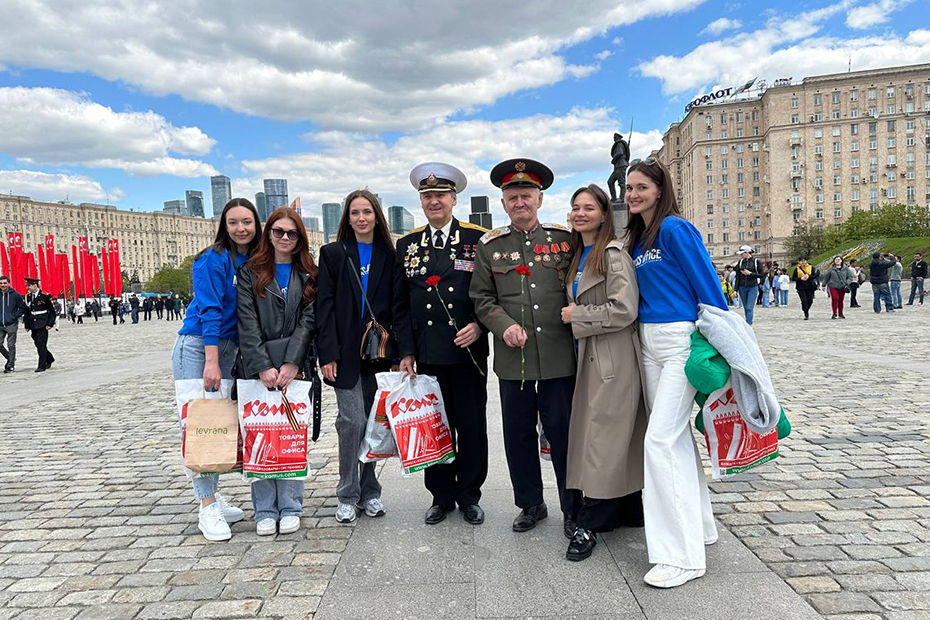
(360, 287)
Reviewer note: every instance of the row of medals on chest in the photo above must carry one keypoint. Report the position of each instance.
(414, 263)
(543, 252)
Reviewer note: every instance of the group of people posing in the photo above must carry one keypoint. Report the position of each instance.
(590, 335)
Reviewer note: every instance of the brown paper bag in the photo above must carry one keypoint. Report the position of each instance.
(211, 435)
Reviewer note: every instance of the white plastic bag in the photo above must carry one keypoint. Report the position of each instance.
(274, 441)
(186, 390)
(418, 421)
(733, 447)
(379, 440)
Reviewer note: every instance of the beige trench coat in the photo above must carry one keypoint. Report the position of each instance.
(608, 423)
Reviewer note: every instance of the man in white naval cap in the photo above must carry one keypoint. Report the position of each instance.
(448, 342)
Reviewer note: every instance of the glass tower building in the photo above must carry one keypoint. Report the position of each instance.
(275, 195)
(400, 220)
(221, 192)
(332, 211)
(194, 202)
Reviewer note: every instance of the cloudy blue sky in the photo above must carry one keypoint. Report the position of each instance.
(134, 102)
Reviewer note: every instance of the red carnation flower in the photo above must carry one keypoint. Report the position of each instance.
(432, 281)
(523, 270)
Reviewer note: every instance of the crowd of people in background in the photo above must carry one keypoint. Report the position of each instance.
(750, 282)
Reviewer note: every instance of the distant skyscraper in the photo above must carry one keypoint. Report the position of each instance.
(221, 192)
(332, 212)
(275, 194)
(260, 206)
(314, 223)
(400, 220)
(481, 212)
(194, 202)
(178, 207)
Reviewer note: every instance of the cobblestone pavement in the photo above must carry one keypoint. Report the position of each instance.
(96, 522)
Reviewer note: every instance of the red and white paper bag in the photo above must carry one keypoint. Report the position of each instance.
(418, 420)
(732, 445)
(272, 446)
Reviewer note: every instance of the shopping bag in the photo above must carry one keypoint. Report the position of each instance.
(211, 437)
(274, 429)
(418, 421)
(189, 391)
(379, 441)
(732, 446)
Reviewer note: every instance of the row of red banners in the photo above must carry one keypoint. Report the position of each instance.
(55, 271)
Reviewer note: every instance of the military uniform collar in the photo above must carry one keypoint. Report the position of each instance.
(526, 233)
(445, 230)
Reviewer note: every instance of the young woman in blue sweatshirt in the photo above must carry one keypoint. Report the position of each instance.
(208, 341)
(675, 274)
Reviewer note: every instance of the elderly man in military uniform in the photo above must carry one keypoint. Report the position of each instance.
(39, 319)
(432, 293)
(518, 289)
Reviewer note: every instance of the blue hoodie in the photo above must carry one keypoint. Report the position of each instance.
(675, 275)
(212, 312)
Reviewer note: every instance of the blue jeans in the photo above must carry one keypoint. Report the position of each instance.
(765, 296)
(879, 292)
(273, 498)
(896, 293)
(747, 297)
(187, 360)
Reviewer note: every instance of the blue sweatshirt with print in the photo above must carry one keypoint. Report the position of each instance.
(675, 275)
(212, 311)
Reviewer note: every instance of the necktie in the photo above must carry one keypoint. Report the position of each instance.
(437, 239)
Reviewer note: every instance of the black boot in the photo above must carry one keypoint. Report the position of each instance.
(581, 545)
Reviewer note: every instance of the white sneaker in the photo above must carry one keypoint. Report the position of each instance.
(373, 507)
(289, 524)
(346, 513)
(266, 527)
(666, 576)
(212, 524)
(230, 512)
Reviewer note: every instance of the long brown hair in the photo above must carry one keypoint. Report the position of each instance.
(223, 241)
(382, 232)
(262, 262)
(605, 234)
(666, 205)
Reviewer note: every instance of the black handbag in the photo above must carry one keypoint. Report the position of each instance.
(376, 340)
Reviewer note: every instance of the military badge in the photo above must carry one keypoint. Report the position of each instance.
(496, 256)
(514, 256)
(565, 246)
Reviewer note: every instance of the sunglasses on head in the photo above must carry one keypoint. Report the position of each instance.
(648, 161)
(280, 233)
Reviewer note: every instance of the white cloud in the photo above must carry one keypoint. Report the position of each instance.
(53, 187)
(721, 25)
(576, 146)
(54, 126)
(787, 46)
(862, 17)
(351, 65)
(604, 55)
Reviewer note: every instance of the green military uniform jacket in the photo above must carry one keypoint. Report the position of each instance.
(503, 298)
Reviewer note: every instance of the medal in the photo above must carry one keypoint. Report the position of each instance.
(556, 257)
(496, 256)
(415, 261)
(426, 258)
(555, 248)
(422, 271)
(549, 237)
(538, 258)
(514, 256)
(565, 246)
(546, 258)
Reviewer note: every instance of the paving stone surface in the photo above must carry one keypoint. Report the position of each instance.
(97, 522)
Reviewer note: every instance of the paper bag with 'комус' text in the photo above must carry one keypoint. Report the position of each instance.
(211, 435)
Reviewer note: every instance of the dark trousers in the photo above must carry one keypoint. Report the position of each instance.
(917, 286)
(465, 395)
(853, 289)
(40, 337)
(146, 315)
(548, 401)
(807, 299)
(135, 315)
(113, 314)
(158, 313)
(604, 515)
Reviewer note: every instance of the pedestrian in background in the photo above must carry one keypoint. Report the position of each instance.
(275, 296)
(114, 308)
(95, 309)
(608, 421)
(675, 274)
(894, 280)
(134, 308)
(918, 273)
(784, 285)
(208, 341)
(159, 307)
(767, 276)
(805, 283)
(362, 253)
(726, 288)
(836, 282)
(879, 270)
(79, 311)
(12, 308)
(856, 277)
(731, 278)
(749, 271)
(39, 319)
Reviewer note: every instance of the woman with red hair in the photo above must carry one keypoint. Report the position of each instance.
(277, 289)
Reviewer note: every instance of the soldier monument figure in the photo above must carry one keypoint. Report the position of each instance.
(620, 158)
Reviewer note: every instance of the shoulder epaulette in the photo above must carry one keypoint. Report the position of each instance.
(555, 227)
(416, 230)
(494, 234)
(471, 226)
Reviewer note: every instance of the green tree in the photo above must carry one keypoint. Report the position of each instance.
(172, 279)
(889, 221)
(806, 240)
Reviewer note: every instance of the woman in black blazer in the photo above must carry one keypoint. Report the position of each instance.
(364, 239)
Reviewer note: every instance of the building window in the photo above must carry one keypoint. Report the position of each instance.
(795, 119)
(854, 129)
(854, 162)
(819, 213)
(889, 92)
(818, 99)
(854, 113)
(726, 237)
(837, 212)
(891, 125)
(794, 102)
(837, 197)
(836, 147)
(872, 94)
(854, 95)
(836, 130)
(818, 132)
(726, 222)
(710, 209)
(726, 250)
(710, 237)
(855, 195)
(835, 115)
(891, 143)
(710, 223)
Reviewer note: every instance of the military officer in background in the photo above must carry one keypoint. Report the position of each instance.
(518, 289)
(39, 319)
(448, 341)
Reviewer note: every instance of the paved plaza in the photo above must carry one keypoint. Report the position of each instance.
(96, 520)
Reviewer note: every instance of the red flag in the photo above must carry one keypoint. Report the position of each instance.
(43, 270)
(105, 261)
(16, 267)
(64, 269)
(95, 274)
(29, 264)
(76, 266)
(117, 272)
(85, 268)
(53, 273)
(4, 261)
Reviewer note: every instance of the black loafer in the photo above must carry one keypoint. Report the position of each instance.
(529, 517)
(39, 370)
(435, 514)
(569, 526)
(581, 546)
(473, 514)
